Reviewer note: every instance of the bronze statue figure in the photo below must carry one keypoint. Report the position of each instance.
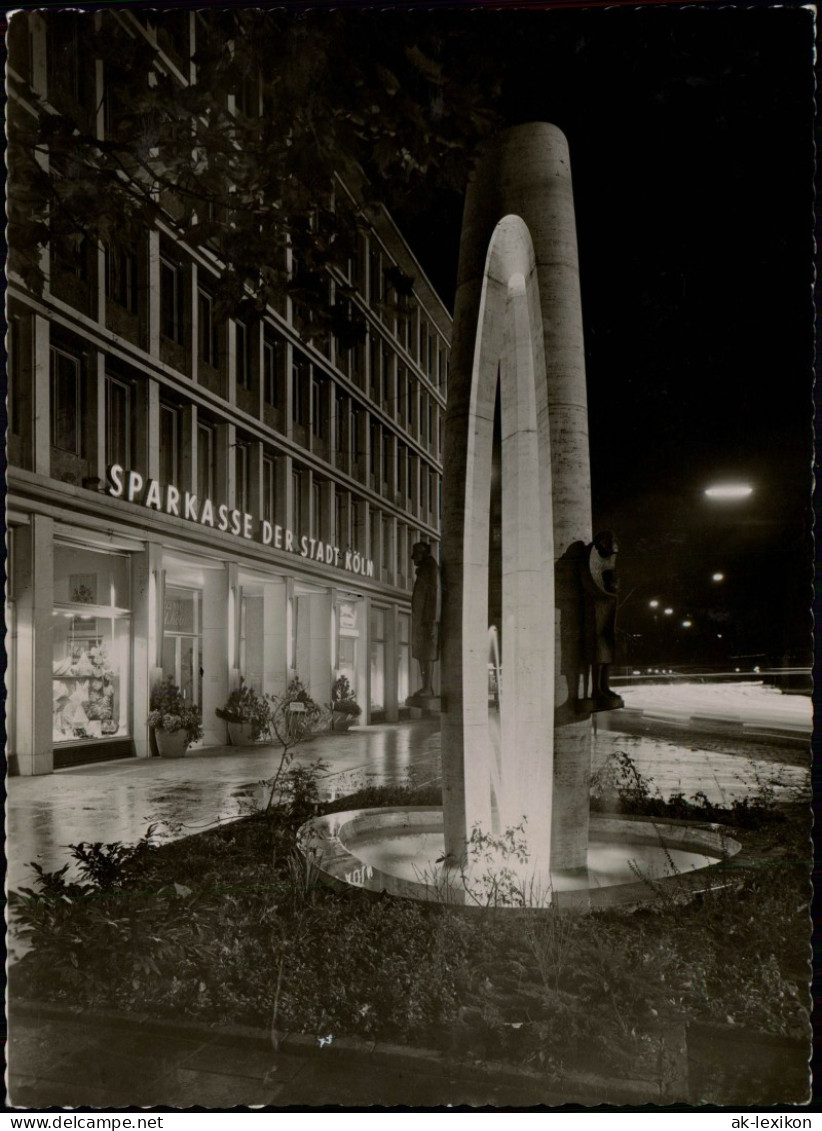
(600, 589)
(425, 611)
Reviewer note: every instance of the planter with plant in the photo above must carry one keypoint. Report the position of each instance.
(246, 714)
(344, 707)
(174, 720)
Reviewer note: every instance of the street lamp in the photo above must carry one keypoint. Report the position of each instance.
(717, 577)
(668, 612)
(653, 604)
(729, 491)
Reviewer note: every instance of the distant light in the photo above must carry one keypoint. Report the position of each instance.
(736, 669)
(654, 604)
(668, 612)
(729, 491)
(687, 623)
(719, 636)
(717, 577)
(756, 669)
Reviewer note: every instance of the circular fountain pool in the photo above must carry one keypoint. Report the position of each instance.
(400, 851)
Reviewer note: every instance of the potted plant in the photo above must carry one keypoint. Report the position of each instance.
(246, 714)
(344, 707)
(175, 721)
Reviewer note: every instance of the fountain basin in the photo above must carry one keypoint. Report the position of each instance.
(399, 851)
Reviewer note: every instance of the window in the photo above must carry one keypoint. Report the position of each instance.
(169, 444)
(270, 367)
(243, 356)
(355, 432)
(205, 461)
(385, 369)
(317, 408)
(297, 502)
(119, 439)
(430, 421)
(69, 76)
(376, 380)
(387, 535)
(341, 407)
(66, 401)
(121, 278)
(171, 301)
(375, 444)
(269, 488)
(242, 482)
(316, 510)
(300, 378)
(206, 328)
(375, 536)
(386, 461)
(374, 275)
(338, 519)
(70, 254)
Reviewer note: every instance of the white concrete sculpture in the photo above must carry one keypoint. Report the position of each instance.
(517, 321)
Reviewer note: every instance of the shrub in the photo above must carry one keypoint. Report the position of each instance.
(170, 711)
(245, 705)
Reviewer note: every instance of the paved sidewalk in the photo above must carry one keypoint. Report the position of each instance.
(56, 1059)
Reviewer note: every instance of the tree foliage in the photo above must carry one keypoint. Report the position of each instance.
(370, 97)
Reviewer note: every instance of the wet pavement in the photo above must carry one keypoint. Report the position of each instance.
(117, 801)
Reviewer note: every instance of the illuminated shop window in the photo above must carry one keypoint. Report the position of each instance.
(91, 640)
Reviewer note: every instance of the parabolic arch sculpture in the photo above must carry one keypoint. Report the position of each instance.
(517, 320)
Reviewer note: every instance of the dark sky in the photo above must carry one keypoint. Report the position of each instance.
(690, 134)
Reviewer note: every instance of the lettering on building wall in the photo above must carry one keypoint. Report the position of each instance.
(131, 486)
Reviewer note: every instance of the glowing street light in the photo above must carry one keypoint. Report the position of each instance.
(654, 604)
(687, 623)
(717, 577)
(729, 491)
(668, 612)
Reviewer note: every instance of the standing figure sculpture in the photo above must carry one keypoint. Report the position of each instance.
(425, 612)
(600, 588)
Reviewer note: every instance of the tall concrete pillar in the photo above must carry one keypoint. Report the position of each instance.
(524, 174)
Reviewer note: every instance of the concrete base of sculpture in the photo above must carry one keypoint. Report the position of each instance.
(400, 851)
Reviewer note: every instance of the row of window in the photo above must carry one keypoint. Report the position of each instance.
(391, 463)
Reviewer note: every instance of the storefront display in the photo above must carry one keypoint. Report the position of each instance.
(91, 645)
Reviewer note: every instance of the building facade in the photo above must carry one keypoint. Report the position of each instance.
(199, 498)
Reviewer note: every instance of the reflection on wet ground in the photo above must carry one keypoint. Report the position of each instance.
(117, 801)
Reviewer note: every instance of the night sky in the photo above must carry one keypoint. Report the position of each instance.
(690, 134)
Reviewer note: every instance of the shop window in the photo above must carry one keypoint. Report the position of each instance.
(348, 632)
(269, 488)
(169, 444)
(171, 300)
(91, 639)
(205, 461)
(119, 427)
(121, 278)
(377, 659)
(243, 355)
(66, 401)
(207, 330)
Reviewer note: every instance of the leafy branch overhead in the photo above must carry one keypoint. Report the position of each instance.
(242, 160)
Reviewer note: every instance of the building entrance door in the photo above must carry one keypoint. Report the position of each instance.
(183, 641)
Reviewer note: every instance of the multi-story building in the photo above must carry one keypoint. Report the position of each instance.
(200, 498)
